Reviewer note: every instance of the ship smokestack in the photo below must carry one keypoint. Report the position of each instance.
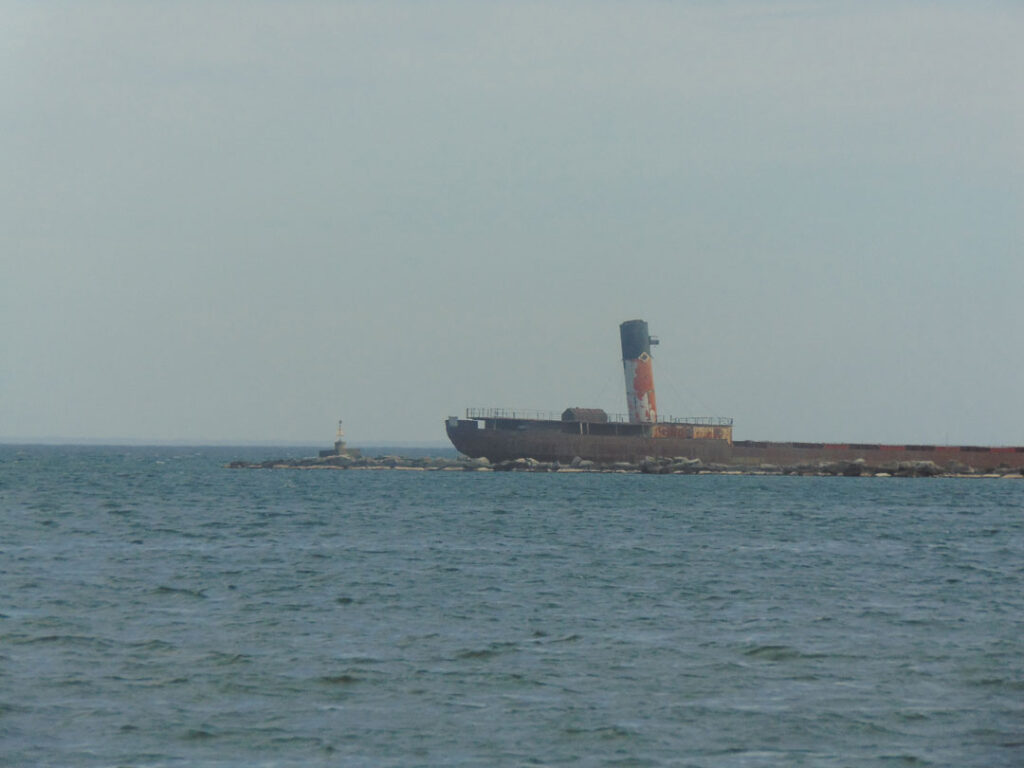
(636, 361)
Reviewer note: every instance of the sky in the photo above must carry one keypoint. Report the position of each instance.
(242, 221)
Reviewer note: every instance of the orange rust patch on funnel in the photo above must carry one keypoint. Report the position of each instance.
(643, 389)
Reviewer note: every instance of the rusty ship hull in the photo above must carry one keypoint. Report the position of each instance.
(590, 434)
(501, 439)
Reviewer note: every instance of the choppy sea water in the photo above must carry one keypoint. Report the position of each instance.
(159, 610)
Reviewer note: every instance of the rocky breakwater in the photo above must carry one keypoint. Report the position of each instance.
(855, 468)
(678, 465)
(425, 463)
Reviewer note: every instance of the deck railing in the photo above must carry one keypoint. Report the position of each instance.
(512, 413)
(621, 418)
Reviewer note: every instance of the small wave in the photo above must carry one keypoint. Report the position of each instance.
(540, 637)
(913, 715)
(903, 760)
(224, 659)
(285, 739)
(363, 659)
(160, 682)
(164, 590)
(198, 734)
(495, 649)
(602, 732)
(484, 653)
(998, 682)
(96, 642)
(343, 679)
(775, 653)
(155, 644)
(178, 532)
(566, 639)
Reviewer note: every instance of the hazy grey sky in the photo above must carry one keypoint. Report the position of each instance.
(245, 220)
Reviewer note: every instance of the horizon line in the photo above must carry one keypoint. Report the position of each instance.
(145, 441)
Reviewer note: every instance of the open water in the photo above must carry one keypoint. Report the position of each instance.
(157, 609)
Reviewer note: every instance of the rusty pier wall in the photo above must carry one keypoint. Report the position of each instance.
(752, 452)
